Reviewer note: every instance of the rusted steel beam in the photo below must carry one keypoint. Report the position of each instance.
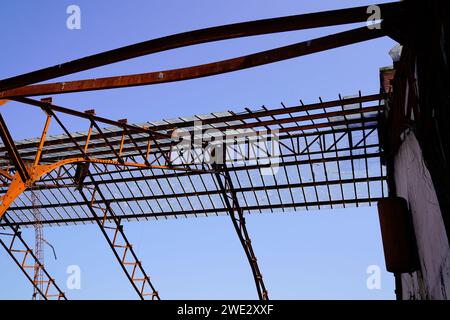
(5, 174)
(244, 62)
(236, 214)
(46, 105)
(237, 30)
(110, 160)
(306, 118)
(278, 111)
(13, 153)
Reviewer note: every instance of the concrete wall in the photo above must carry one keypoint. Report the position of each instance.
(413, 182)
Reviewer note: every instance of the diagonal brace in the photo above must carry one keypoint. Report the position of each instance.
(12, 151)
(114, 234)
(237, 217)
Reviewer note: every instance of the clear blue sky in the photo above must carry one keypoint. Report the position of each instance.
(304, 255)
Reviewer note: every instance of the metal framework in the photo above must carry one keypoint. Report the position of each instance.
(328, 157)
(21, 253)
(116, 238)
(302, 157)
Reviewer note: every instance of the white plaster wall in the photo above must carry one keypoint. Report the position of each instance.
(414, 183)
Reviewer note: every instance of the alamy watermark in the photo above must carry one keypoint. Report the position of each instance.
(373, 281)
(73, 281)
(73, 21)
(232, 146)
(373, 22)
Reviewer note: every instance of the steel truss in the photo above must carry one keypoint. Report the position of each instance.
(21, 181)
(330, 150)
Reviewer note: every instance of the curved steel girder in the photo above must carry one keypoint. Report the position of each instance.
(205, 70)
(231, 31)
(18, 186)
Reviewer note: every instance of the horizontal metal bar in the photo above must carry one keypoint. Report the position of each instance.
(205, 193)
(60, 183)
(84, 115)
(193, 213)
(232, 168)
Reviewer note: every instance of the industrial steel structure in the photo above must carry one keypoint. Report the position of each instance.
(328, 153)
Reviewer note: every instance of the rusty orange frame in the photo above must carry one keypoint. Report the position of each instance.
(36, 171)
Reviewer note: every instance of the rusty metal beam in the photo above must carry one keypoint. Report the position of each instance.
(237, 30)
(45, 105)
(244, 62)
(5, 174)
(12, 151)
(236, 213)
(131, 216)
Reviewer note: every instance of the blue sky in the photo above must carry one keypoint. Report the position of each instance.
(304, 255)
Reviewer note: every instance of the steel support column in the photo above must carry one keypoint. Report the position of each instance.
(237, 217)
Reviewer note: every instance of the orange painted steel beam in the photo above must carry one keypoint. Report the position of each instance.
(42, 140)
(6, 174)
(240, 63)
(18, 186)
